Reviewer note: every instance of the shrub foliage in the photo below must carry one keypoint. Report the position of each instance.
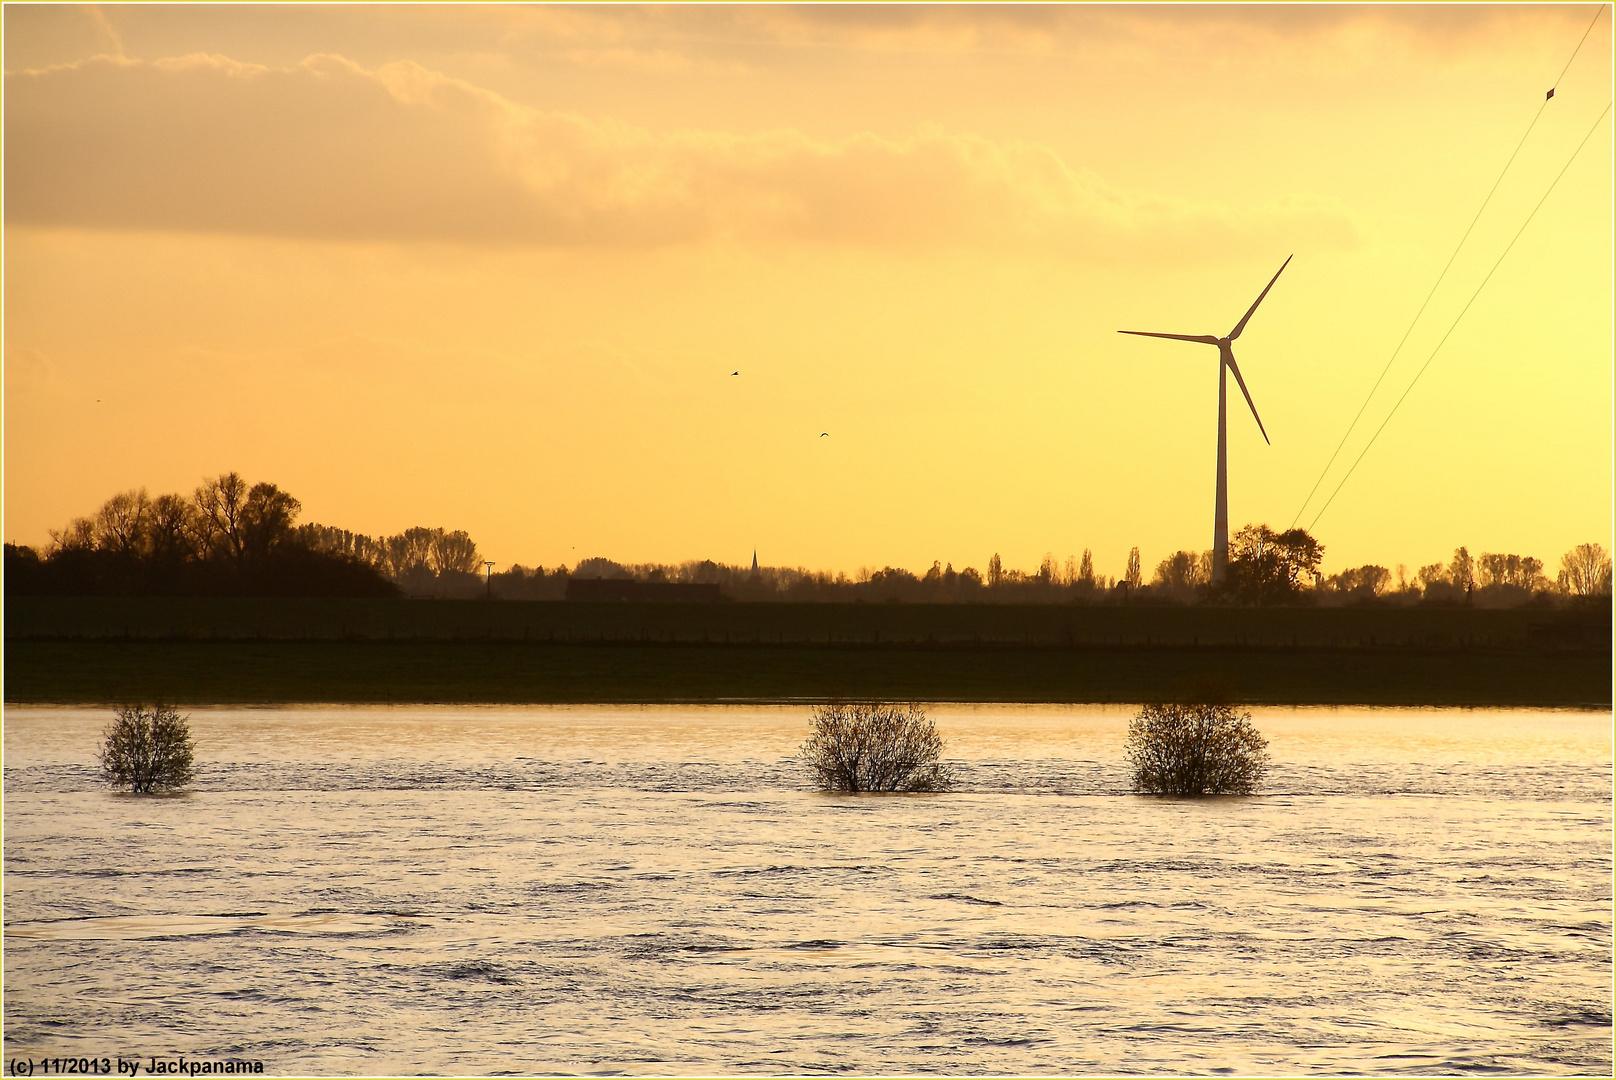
(875, 747)
(148, 750)
(1195, 749)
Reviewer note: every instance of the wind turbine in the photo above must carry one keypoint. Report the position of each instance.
(1220, 515)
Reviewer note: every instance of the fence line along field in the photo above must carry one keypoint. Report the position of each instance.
(224, 650)
(1049, 625)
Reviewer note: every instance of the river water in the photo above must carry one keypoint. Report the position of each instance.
(657, 891)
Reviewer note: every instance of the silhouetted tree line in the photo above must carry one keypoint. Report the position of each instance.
(1075, 582)
(420, 561)
(1265, 568)
(940, 584)
(1501, 580)
(229, 538)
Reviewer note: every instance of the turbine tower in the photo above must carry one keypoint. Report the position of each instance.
(1220, 514)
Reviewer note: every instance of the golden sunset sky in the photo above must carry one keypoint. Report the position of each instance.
(491, 268)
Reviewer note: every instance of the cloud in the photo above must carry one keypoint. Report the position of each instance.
(1290, 35)
(331, 150)
(104, 25)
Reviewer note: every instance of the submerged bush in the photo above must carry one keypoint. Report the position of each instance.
(147, 749)
(1200, 749)
(875, 747)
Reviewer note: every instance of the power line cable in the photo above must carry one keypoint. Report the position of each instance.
(1575, 51)
(1460, 316)
(1440, 277)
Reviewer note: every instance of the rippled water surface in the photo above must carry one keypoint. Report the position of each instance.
(656, 891)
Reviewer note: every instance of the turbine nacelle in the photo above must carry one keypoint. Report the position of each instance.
(1226, 344)
(1225, 356)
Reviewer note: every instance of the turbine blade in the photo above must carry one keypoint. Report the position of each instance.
(1204, 339)
(1241, 325)
(1234, 367)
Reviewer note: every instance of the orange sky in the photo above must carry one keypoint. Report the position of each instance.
(491, 268)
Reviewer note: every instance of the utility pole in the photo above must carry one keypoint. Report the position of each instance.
(488, 588)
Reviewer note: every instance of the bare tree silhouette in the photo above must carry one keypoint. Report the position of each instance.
(1194, 750)
(147, 749)
(875, 747)
(1585, 571)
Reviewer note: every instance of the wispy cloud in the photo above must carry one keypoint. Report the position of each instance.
(104, 24)
(332, 150)
(1299, 35)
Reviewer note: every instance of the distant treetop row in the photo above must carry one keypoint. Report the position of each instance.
(232, 538)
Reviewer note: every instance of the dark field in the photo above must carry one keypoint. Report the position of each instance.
(248, 650)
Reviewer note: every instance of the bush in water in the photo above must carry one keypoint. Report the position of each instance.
(875, 747)
(1195, 749)
(147, 749)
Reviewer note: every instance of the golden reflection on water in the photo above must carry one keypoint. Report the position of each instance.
(653, 891)
(724, 733)
(135, 927)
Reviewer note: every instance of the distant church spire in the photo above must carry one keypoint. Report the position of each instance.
(754, 560)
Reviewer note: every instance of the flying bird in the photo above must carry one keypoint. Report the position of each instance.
(735, 373)
(823, 434)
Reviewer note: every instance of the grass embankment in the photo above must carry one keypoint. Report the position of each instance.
(232, 650)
